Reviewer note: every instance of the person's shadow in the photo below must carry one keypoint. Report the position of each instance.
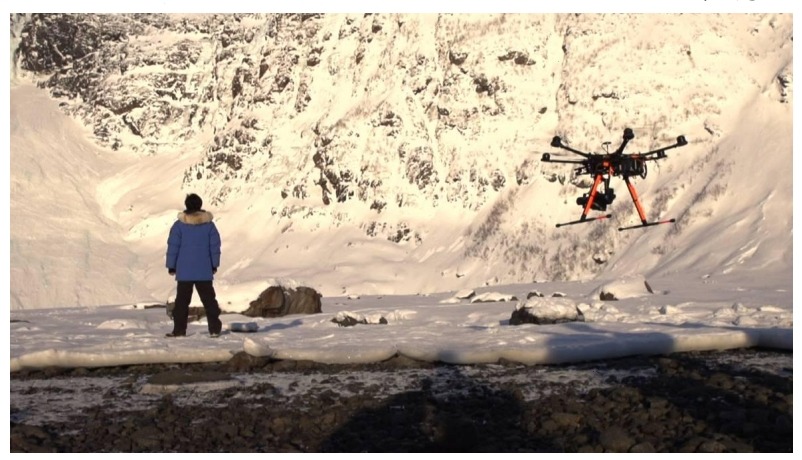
(450, 412)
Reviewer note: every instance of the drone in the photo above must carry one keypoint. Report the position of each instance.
(602, 167)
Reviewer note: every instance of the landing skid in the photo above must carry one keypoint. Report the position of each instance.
(582, 221)
(648, 224)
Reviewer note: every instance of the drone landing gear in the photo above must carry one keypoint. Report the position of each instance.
(594, 200)
(648, 224)
(634, 194)
(587, 219)
(599, 201)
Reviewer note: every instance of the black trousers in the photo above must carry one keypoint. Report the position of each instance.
(207, 296)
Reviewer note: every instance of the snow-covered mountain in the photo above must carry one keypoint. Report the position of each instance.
(391, 153)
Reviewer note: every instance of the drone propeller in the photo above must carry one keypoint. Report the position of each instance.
(661, 152)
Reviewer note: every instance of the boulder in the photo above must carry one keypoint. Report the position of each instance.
(269, 304)
(303, 300)
(537, 310)
(281, 301)
(534, 294)
(348, 319)
(624, 288)
(493, 297)
(607, 296)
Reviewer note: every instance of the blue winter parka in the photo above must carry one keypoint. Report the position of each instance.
(193, 247)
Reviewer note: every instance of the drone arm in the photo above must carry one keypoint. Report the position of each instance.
(547, 158)
(586, 155)
(661, 152)
(557, 142)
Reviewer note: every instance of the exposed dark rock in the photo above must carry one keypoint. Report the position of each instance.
(457, 58)
(269, 304)
(179, 376)
(493, 297)
(303, 300)
(487, 404)
(243, 362)
(420, 168)
(615, 439)
(607, 296)
(347, 320)
(535, 315)
(281, 301)
(518, 57)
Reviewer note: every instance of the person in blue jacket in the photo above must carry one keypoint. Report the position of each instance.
(193, 256)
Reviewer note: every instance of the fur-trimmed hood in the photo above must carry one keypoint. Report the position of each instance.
(196, 217)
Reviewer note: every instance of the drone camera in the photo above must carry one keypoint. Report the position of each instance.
(600, 202)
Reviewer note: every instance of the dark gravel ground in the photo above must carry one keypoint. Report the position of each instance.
(733, 401)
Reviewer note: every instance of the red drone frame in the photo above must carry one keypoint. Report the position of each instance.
(602, 167)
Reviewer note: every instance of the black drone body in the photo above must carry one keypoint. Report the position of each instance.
(604, 166)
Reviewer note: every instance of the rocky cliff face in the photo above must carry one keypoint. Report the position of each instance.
(373, 96)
